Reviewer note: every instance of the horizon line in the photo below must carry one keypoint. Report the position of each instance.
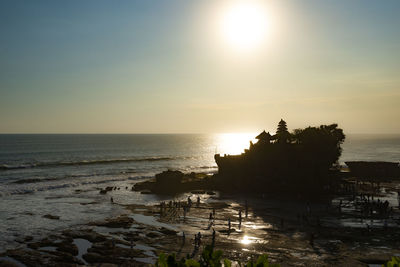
(166, 133)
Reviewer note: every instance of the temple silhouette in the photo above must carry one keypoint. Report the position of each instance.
(304, 159)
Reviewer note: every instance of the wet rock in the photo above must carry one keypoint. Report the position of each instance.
(65, 259)
(166, 231)
(169, 177)
(28, 238)
(226, 231)
(42, 243)
(92, 257)
(29, 257)
(376, 259)
(198, 192)
(119, 222)
(68, 247)
(104, 191)
(146, 186)
(89, 203)
(51, 217)
(88, 234)
(152, 234)
(106, 253)
(132, 238)
(6, 263)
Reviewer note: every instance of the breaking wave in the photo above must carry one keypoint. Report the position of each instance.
(46, 187)
(83, 162)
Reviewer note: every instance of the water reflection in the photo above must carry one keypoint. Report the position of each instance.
(233, 143)
(245, 240)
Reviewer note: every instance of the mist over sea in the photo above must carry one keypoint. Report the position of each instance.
(43, 174)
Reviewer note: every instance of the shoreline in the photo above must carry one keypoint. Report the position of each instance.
(273, 227)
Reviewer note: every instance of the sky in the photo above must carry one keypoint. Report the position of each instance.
(166, 67)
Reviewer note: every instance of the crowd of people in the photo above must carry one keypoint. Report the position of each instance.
(173, 210)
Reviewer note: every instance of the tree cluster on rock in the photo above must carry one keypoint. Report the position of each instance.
(303, 159)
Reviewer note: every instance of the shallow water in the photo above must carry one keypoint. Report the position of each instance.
(83, 245)
(151, 220)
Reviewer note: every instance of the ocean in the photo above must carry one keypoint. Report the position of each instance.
(62, 174)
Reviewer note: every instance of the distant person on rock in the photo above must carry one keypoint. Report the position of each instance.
(240, 218)
(199, 238)
(246, 208)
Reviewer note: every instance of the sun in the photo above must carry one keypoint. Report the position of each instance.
(244, 24)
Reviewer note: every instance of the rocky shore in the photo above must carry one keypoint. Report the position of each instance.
(292, 232)
(175, 182)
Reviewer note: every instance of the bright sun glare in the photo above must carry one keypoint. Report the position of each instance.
(245, 240)
(245, 24)
(233, 143)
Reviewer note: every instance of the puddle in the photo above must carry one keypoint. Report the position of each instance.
(143, 247)
(150, 220)
(247, 240)
(83, 246)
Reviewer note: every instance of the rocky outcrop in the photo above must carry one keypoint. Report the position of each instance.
(122, 221)
(174, 182)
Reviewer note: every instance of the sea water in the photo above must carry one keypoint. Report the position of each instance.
(62, 175)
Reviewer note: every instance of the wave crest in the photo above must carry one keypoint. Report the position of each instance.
(82, 162)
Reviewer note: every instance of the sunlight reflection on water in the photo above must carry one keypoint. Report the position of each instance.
(234, 143)
(245, 240)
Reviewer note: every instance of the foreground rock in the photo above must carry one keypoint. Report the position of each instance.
(174, 182)
(120, 222)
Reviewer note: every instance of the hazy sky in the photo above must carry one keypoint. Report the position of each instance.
(163, 66)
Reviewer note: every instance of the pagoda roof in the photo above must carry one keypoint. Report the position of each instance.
(263, 136)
